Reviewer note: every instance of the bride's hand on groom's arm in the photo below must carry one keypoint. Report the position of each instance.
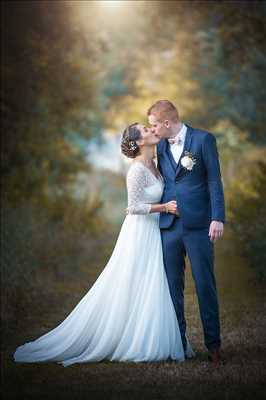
(171, 207)
(216, 230)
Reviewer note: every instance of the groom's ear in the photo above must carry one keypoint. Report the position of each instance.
(166, 123)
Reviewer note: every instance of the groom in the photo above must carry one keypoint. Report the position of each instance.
(189, 162)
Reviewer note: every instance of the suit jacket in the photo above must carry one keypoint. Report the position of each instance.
(199, 192)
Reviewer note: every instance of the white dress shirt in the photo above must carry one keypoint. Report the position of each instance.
(177, 148)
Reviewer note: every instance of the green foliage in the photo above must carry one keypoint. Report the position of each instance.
(64, 76)
(232, 64)
(247, 215)
(45, 245)
(47, 93)
(71, 69)
(209, 59)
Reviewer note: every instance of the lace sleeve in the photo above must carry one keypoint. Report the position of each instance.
(136, 182)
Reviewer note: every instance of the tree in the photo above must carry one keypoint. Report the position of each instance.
(47, 94)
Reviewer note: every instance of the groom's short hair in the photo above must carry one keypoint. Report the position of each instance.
(164, 109)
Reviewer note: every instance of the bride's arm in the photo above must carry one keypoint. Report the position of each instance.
(169, 207)
(136, 179)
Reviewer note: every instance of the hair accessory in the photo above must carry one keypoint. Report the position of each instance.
(132, 145)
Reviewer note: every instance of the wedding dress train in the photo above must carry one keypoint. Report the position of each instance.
(128, 314)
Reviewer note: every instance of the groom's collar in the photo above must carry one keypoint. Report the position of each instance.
(181, 133)
(162, 145)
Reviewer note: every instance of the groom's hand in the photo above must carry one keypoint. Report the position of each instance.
(216, 230)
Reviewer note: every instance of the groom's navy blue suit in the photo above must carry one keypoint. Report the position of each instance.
(200, 199)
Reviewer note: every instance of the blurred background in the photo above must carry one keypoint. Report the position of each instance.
(74, 75)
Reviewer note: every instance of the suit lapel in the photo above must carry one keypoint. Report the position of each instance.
(180, 170)
(168, 155)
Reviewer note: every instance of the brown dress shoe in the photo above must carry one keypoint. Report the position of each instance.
(215, 357)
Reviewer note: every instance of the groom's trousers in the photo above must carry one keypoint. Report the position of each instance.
(178, 241)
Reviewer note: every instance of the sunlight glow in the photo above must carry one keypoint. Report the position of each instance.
(111, 2)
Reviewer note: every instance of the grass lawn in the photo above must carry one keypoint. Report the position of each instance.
(242, 377)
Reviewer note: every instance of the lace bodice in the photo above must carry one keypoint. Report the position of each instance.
(143, 189)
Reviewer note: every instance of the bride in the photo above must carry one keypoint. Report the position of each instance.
(128, 314)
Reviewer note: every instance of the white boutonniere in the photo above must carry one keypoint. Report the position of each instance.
(188, 161)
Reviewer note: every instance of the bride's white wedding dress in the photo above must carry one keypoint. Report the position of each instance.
(128, 314)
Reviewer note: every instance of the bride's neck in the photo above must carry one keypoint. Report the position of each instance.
(147, 155)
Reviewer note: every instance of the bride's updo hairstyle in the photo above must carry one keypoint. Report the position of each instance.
(130, 136)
